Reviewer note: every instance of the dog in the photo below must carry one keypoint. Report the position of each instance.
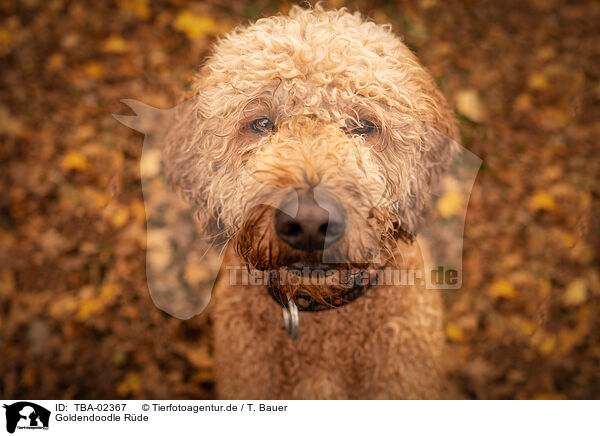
(312, 148)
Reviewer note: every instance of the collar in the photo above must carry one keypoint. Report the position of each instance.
(291, 307)
(307, 303)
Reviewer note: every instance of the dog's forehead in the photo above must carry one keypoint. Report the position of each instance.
(326, 49)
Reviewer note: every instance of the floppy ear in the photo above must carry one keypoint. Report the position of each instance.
(432, 154)
(441, 138)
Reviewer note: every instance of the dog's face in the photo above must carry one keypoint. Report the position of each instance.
(314, 139)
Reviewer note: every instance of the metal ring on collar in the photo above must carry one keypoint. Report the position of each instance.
(291, 318)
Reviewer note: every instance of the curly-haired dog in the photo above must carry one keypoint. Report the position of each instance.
(314, 140)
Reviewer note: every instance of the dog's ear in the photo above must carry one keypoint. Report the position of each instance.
(434, 153)
(442, 137)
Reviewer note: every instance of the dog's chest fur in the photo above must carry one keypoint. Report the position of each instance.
(386, 344)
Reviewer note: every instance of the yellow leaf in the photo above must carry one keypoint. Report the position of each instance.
(93, 70)
(569, 339)
(88, 308)
(74, 160)
(544, 287)
(55, 61)
(138, 211)
(159, 252)
(130, 385)
(203, 376)
(199, 357)
(523, 103)
(582, 252)
(100, 199)
(196, 273)
(84, 132)
(542, 201)
(576, 293)
(502, 288)
(527, 327)
(194, 25)
(470, 105)
(63, 307)
(116, 214)
(552, 172)
(150, 163)
(554, 117)
(5, 36)
(120, 217)
(108, 293)
(547, 345)
(454, 332)
(115, 44)
(450, 204)
(546, 52)
(512, 260)
(568, 239)
(138, 7)
(538, 81)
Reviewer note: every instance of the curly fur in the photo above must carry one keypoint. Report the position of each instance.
(315, 74)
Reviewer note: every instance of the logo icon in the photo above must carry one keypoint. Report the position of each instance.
(26, 415)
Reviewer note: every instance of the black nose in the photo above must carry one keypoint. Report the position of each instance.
(315, 226)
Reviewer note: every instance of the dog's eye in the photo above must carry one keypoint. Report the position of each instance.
(365, 128)
(261, 125)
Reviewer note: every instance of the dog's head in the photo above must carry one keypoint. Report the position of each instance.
(314, 137)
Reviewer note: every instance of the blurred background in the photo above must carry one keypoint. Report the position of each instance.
(76, 318)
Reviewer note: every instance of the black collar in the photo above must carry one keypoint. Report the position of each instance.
(307, 303)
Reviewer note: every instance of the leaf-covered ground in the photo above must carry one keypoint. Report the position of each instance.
(76, 318)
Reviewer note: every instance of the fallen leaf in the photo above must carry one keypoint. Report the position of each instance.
(5, 37)
(199, 357)
(150, 163)
(547, 345)
(450, 204)
(55, 61)
(195, 274)
(194, 25)
(538, 82)
(502, 288)
(523, 103)
(87, 308)
(63, 308)
(542, 201)
(576, 293)
(93, 70)
(130, 385)
(468, 103)
(115, 44)
(116, 214)
(454, 332)
(74, 160)
(138, 7)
